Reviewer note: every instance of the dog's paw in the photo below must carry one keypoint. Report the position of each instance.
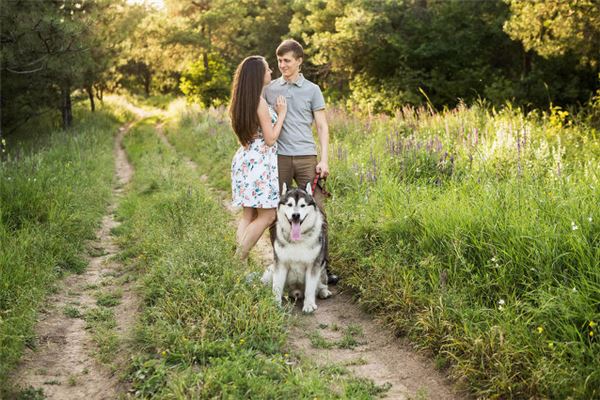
(267, 277)
(309, 308)
(324, 293)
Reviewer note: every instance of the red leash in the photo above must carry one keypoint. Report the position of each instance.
(322, 185)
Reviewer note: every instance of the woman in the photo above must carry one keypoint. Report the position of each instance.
(254, 175)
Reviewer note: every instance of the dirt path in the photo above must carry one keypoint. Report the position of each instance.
(64, 363)
(339, 332)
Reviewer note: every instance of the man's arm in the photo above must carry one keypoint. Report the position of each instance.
(323, 132)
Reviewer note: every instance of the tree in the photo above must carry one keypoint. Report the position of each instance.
(49, 49)
(207, 89)
(554, 28)
(111, 24)
(153, 58)
(222, 33)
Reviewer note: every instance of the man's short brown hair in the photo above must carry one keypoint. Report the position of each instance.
(290, 45)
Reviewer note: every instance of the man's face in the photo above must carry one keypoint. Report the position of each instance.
(288, 64)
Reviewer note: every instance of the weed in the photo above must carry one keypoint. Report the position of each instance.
(356, 362)
(318, 341)
(30, 393)
(350, 337)
(109, 299)
(97, 251)
(99, 315)
(72, 312)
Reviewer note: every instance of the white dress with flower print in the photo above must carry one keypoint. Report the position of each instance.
(254, 174)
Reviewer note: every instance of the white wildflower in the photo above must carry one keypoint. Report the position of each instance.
(574, 226)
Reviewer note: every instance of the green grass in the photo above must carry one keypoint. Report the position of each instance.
(54, 188)
(474, 232)
(205, 331)
(72, 312)
(318, 341)
(353, 336)
(109, 299)
(205, 137)
(101, 323)
(469, 253)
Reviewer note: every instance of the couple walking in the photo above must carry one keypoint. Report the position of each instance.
(273, 122)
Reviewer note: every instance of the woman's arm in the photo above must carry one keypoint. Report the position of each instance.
(271, 132)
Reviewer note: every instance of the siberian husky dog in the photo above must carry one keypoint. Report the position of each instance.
(299, 249)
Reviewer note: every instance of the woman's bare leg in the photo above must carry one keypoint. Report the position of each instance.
(248, 215)
(255, 229)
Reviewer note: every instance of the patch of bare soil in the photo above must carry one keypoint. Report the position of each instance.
(64, 363)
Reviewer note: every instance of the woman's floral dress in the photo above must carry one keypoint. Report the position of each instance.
(254, 174)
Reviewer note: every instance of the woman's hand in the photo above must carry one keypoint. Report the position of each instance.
(280, 106)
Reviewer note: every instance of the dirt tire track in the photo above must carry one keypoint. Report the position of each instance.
(63, 362)
(381, 356)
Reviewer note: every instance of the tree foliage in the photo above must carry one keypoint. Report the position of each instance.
(375, 55)
(554, 28)
(207, 86)
(50, 49)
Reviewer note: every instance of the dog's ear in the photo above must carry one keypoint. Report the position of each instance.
(308, 188)
(283, 189)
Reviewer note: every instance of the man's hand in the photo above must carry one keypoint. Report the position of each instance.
(322, 169)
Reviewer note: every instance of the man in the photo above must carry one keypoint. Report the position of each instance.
(297, 151)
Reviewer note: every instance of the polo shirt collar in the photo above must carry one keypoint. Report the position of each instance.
(298, 82)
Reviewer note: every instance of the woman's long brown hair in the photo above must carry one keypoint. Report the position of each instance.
(245, 95)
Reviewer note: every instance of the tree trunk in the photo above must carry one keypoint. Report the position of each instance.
(206, 33)
(147, 81)
(65, 107)
(90, 92)
(206, 67)
(2, 145)
(99, 92)
(527, 64)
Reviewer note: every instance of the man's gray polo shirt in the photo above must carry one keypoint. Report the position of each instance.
(303, 97)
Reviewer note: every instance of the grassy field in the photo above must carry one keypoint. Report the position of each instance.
(206, 331)
(474, 232)
(54, 188)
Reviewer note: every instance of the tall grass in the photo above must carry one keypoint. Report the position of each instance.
(54, 187)
(475, 232)
(206, 330)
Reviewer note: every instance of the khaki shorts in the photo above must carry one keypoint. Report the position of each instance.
(300, 170)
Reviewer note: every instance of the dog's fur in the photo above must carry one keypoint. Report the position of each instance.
(299, 249)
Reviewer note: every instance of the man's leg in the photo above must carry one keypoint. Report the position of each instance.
(285, 171)
(304, 172)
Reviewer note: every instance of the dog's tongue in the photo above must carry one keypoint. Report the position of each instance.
(295, 231)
